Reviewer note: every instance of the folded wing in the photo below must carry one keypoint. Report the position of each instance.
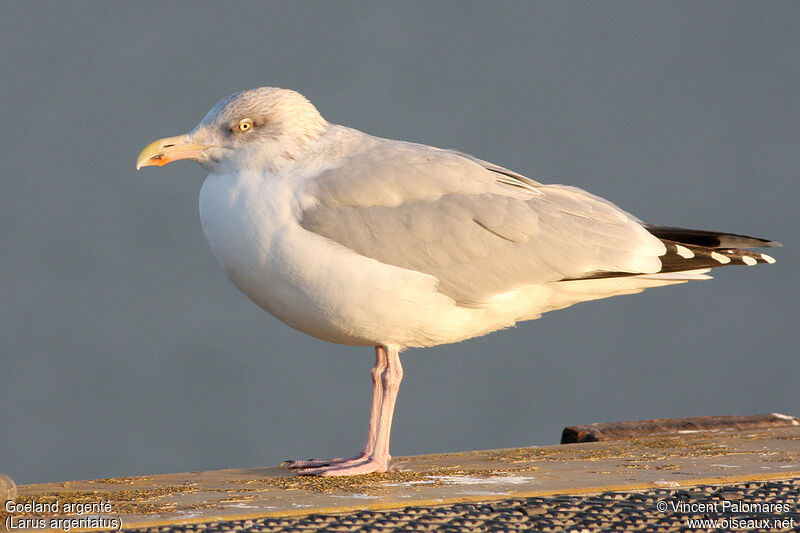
(480, 230)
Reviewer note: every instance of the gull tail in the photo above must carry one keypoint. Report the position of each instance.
(689, 249)
(709, 239)
(691, 253)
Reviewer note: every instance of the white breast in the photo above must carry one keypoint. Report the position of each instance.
(313, 284)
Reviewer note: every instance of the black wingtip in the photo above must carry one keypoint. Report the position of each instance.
(710, 239)
(684, 256)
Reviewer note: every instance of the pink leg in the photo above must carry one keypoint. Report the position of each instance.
(375, 457)
(381, 361)
(369, 446)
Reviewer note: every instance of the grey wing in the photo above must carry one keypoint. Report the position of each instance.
(454, 218)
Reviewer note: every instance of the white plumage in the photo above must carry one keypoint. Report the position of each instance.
(367, 241)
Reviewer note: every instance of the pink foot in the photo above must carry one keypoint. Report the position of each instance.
(386, 376)
(316, 463)
(367, 466)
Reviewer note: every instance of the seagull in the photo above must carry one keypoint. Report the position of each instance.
(366, 241)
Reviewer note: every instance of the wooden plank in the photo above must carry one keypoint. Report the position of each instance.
(672, 426)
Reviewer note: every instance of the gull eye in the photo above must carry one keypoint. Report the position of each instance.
(245, 125)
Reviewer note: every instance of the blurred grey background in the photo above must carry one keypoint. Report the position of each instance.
(125, 350)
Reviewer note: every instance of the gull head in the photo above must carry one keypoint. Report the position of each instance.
(265, 128)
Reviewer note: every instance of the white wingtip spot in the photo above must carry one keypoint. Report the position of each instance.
(721, 258)
(768, 258)
(684, 251)
(749, 261)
